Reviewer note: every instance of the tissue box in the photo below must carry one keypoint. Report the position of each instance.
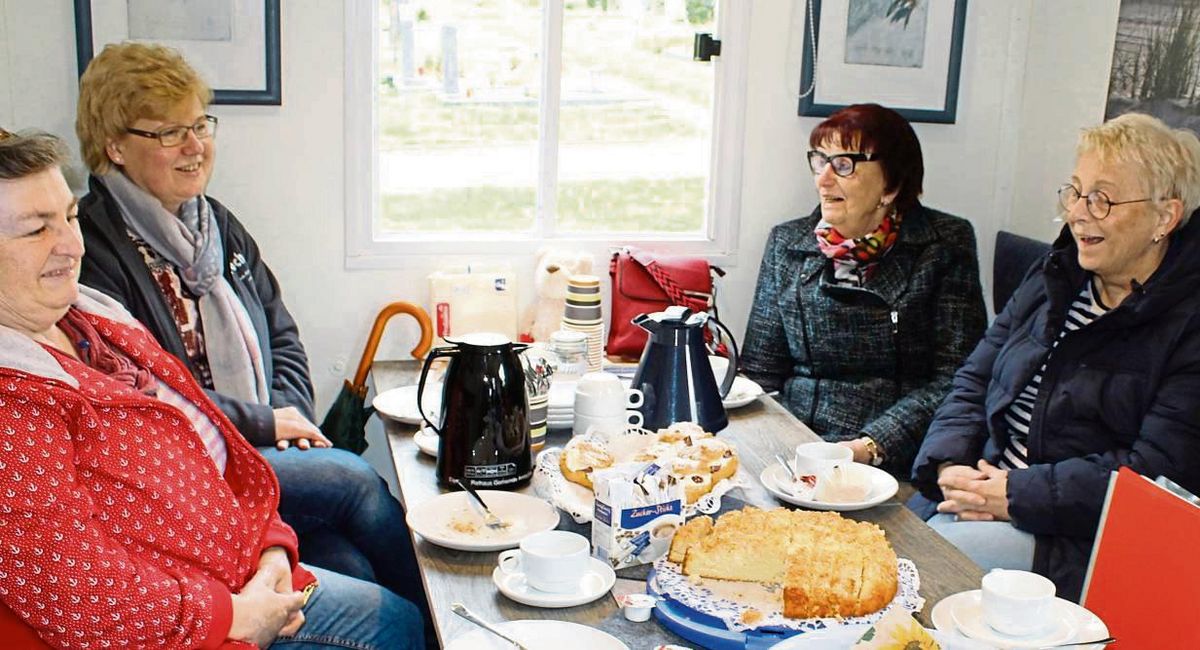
(637, 511)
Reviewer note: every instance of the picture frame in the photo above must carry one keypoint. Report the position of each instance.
(233, 44)
(906, 55)
(1154, 67)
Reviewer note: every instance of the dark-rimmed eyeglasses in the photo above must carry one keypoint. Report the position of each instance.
(173, 136)
(843, 163)
(1098, 204)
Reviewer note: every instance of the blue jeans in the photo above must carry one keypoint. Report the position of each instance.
(346, 612)
(346, 519)
(990, 544)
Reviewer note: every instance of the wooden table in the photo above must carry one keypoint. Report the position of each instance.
(759, 431)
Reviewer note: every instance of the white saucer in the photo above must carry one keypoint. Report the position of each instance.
(844, 636)
(968, 618)
(1079, 623)
(454, 521)
(538, 635)
(777, 481)
(427, 441)
(596, 582)
(400, 404)
(743, 391)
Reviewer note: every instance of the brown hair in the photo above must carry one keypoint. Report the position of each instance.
(874, 129)
(125, 83)
(25, 154)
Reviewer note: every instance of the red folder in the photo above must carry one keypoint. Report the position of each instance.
(1144, 577)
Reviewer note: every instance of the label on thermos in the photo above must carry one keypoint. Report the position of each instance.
(494, 475)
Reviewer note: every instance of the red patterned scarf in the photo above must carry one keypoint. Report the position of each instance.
(854, 260)
(99, 355)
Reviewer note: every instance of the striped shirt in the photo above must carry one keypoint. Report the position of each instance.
(1085, 309)
(209, 434)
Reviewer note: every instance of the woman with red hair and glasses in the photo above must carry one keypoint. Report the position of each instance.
(866, 307)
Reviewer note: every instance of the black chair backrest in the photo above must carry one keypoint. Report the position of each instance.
(1014, 255)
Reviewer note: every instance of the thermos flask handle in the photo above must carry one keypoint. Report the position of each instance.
(731, 370)
(433, 354)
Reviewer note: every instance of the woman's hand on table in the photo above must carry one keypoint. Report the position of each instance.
(974, 493)
(292, 428)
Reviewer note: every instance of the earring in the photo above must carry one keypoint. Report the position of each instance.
(1158, 237)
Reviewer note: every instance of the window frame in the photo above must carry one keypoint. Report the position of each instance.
(365, 250)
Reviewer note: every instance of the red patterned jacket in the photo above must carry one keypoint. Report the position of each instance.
(116, 529)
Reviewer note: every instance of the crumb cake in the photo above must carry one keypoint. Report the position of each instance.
(827, 565)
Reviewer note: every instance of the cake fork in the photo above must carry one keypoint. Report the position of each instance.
(489, 517)
(461, 610)
(1101, 642)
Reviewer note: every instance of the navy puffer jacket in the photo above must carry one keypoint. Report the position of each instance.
(1123, 391)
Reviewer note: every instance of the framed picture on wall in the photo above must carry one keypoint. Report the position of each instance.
(1154, 66)
(903, 54)
(233, 44)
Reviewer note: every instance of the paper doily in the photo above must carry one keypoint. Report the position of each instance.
(578, 501)
(713, 597)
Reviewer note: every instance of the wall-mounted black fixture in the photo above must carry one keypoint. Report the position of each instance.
(705, 47)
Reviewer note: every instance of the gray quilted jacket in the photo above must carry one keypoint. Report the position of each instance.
(875, 360)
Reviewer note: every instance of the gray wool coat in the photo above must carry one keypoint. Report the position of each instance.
(875, 360)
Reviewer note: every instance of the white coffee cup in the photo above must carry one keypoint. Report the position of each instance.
(607, 425)
(553, 561)
(1017, 603)
(817, 458)
(602, 394)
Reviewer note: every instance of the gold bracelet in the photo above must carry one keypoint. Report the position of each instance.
(873, 451)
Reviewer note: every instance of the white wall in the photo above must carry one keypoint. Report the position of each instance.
(1034, 72)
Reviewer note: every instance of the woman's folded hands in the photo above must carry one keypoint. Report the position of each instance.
(268, 607)
(977, 493)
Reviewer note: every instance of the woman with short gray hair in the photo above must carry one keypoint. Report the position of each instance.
(1093, 365)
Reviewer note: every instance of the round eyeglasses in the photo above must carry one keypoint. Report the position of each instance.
(173, 136)
(843, 163)
(1098, 204)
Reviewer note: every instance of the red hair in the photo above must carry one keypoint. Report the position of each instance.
(871, 128)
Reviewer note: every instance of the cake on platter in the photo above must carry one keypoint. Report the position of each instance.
(827, 566)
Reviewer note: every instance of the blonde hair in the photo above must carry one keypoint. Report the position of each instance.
(1169, 159)
(125, 83)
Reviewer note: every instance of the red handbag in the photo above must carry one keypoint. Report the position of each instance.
(643, 282)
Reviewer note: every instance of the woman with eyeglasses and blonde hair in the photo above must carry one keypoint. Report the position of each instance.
(1093, 365)
(867, 306)
(184, 266)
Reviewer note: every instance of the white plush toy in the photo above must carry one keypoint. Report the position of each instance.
(550, 275)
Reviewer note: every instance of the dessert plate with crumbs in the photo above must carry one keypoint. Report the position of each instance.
(455, 521)
(777, 481)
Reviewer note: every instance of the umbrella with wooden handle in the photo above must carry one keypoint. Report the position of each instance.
(346, 420)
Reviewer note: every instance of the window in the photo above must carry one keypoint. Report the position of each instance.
(474, 121)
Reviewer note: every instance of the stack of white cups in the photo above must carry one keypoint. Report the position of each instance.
(603, 405)
(582, 314)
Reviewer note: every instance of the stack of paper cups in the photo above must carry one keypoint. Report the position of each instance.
(582, 314)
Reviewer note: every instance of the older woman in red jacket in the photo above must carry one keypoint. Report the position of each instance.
(134, 515)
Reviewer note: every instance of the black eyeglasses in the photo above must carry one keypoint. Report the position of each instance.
(173, 136)
(843, 163)
(1098, 204)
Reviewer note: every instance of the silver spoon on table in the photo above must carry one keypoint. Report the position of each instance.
(1100, 642)
(461, 610)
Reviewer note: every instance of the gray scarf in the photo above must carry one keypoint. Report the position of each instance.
(192, 243)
